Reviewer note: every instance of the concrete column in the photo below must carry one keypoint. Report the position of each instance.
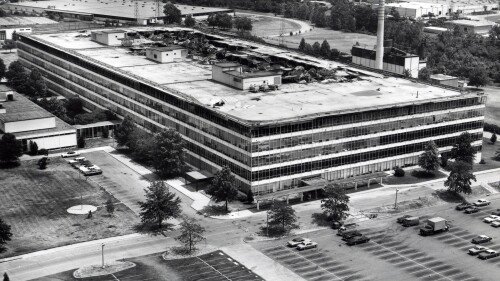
(381, 178)
(316, 193)
(287, 199)
(258, 205)
(369, 182)
(355, 185)
(302, 197)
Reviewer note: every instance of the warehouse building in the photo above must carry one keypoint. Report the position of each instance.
(293, 139)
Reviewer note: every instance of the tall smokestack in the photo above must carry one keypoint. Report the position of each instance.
(379, 64)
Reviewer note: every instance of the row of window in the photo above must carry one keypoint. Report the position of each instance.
(364, 143)
(364, 130)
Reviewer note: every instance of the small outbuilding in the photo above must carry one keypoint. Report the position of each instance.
(442, 79)
(108, 37)
(232, 74)
(166, 54)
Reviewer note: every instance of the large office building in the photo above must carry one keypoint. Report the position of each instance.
(362, 124)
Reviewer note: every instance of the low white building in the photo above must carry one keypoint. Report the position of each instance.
(232, 74)
(166, 54)
(29, 122)
(395, 60)
(109, 37)
(443, 79)
(470, 26)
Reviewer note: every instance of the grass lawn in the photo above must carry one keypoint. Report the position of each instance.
(266, 26)
(413, 176)
(488, 154)
(34, 203)
(492, 105)
(339, 40)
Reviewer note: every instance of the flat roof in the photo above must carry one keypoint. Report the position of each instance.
(251, 74)
(61, 127)
(21, 109)
(114, 8)
(227, 64)
(192, 80)
(112, 31)
(5, 88)
(470, 22)
(168, 48)
(22, 21)
(442, 77)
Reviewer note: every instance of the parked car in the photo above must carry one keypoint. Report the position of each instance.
(488, 254)
(495, 224)
(401, 219)
(357, 240)
(307, 245)
(70, 154)
(337, 224)
(296, 241)
(481, 203)
(463, 206)
(496, 212)
(471, 210)
(491, 219)
(476, 250)
(346, 228)
(411, 221)
(481, 239)
(348, 235)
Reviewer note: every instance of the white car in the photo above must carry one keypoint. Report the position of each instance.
(296, 241)
(70, 154)
(491, 219)
(477, 250)
(307, 245)
(495, 224)
(481, 202)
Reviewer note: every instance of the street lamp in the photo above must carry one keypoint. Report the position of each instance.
(396, 202)
(102, 255)
(267, 223)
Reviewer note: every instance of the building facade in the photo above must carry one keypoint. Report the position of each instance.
(273, 155)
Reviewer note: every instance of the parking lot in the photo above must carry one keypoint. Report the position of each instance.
(396, 252)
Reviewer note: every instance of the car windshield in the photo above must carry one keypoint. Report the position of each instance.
(297, 239)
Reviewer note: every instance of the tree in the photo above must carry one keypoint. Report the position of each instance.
(478, 77)
(17, 77)
(2, 69)
(191, 234)
(212, 21)
(497, 155)
(463, 150)
(172, 13)
(325, 49)
(189, 21)
(123, 132)
(429, 159)
(223, 187)
(5, 234)
(224, 21)
(10, 149)
(302, 45)
(33, 148)
(460, 178)
(335, 204)
(80, 142)
(160, 204)
(250, 196)
(142, 145)
(9, 44)
(6, 277)
(36, 87)
(168, 153)
(424, 74)
(54, 106)
(493, 138)
(110, 206)
(283, 215)
(243, 23)
(42, 163)
(74, 106)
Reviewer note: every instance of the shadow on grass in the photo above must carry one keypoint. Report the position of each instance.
(276, 231)
(214, 210)
(449, 196)
(321, 219)
(9, 165)
(422, 174)
(152, 228)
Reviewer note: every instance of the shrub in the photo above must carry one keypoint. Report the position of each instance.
(80, 142)
(444, 161)
(399, 172)
(482, 161)
(43, 151)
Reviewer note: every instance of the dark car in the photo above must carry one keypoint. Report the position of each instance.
(357, 240)
(337, 224)
(350, 234)
(463, 206)
(488, 254)
(471, 210)
(496, 212)
(481, 239)
(401, 219)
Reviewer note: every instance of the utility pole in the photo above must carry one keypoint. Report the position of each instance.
(396, 202)
(102, 255)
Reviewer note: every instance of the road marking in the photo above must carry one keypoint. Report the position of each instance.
(213, 268)
(115, 277)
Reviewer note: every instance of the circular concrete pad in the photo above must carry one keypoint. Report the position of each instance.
(82, 209)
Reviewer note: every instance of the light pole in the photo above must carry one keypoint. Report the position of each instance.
(396, 202)
(267, 223)
(102, 255)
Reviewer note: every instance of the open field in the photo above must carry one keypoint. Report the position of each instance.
(34, 203)
(396, 252)
(493, 105)
(267, 26)
(208, 267)
(339, 40)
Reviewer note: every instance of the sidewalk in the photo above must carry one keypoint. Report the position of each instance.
(26, 157)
